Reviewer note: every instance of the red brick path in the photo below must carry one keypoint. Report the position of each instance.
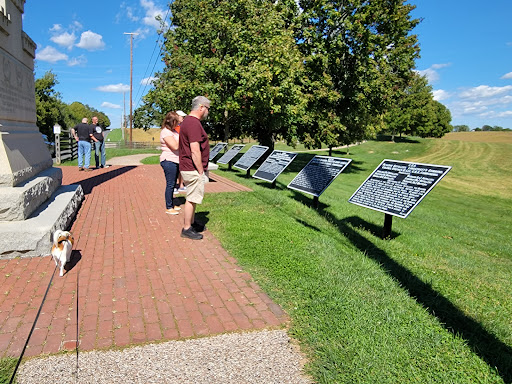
(138, 280)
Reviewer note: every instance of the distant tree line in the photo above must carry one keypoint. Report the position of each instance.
(322, 72)
(51, 110)
(465, 128)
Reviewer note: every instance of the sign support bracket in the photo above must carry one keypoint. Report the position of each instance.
(388, 223)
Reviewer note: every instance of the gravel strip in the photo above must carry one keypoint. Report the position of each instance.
(256, 357)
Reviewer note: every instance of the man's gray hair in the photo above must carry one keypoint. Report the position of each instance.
(198, 101)
(85, 120)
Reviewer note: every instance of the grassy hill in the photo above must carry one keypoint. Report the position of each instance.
(430, 305)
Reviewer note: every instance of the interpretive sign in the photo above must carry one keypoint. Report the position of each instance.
(250, 157)
(318, 174)
(215, 150)
(231, 153)
(397, 187)
(274, 165)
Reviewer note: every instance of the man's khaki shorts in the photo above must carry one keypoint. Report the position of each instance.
(195, 186)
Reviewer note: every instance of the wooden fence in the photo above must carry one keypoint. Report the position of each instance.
(66, 147)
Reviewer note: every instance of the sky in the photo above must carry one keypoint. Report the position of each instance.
(466, 53)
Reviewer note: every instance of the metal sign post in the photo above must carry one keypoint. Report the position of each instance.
(56, 131)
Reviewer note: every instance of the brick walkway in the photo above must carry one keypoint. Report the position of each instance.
(138, 280)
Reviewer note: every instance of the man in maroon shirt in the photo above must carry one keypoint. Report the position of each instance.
(194, 149)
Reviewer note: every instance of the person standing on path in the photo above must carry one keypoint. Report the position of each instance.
(180, 187)
(169, 158)
(100, 156)
(83, 133)
(194, 150)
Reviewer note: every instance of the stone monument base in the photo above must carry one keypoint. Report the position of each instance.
(32, 236)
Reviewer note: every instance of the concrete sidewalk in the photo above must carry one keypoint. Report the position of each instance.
(134, 279)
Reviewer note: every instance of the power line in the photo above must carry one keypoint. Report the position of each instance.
(149, 63)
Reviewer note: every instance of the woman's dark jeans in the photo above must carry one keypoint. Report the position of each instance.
(171, 175)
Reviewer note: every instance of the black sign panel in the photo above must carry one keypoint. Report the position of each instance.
(318, 174)
(397, 187)
(274, 165)
(215, 150)
(250, 157)
(229, 155)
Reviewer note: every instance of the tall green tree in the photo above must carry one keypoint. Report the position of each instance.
(50, 110)
(365, 51)
(78, 111)
(417, 113)
(239, 53)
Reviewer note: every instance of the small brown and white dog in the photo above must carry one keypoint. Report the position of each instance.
(61, 249)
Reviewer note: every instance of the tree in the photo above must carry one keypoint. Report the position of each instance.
(49, 107)
(412, 109)
(78, 111)
(365, 50)
(242, 55)
(460, 128)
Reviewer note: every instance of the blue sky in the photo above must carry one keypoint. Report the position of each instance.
(466, 53)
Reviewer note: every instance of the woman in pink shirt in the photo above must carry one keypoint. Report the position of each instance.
(169, 159)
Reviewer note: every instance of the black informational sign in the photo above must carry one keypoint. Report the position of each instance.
(397, 187)
(215, 150)
(229, 155)
(250, 157)
(274, 165)
(318, 174)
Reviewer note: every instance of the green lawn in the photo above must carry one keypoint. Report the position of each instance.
(432, 305)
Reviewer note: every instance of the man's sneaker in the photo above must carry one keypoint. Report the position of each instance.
(191, 234)
(183, 189)
(198, 227)
(172, 211)
(80, 169)
(175, 192)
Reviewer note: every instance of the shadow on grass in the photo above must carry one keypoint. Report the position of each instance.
(202, 217)
(490, 349)
(398, 139)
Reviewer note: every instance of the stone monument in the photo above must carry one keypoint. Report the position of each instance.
(33, 202)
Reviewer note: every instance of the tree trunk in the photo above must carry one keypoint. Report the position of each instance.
(226, 126)
(265, 137)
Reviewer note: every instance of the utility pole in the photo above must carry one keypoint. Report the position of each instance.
(123, 123)
(131, 80)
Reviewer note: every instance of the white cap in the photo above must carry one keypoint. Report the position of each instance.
(181, 113)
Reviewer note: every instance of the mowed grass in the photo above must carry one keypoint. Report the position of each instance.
(482, 168)
(431, 305)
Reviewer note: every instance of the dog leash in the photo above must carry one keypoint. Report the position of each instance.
(77, 325)
(33, 326)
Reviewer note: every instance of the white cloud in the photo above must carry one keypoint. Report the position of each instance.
(439, 66)
(76, 61)
(151, 12)
(148, 80)
(51, 55)
(440, 94)
(106, 104)
(117, 88)
(507, 76)
(91, 41)
(432, 73)
(56, 28)
(484, 91)
(141, 33)
(66, 40)
(126, 11)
